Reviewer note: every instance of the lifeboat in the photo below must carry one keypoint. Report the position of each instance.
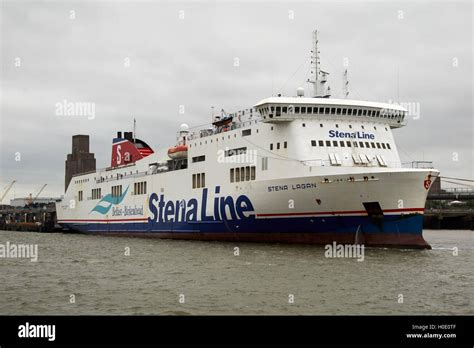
(178, 152)
(223, 122)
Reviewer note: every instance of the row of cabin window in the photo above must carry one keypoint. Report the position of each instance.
(349, 143)
(278, 110)
(242, 174)
(199, 180)
(81, 181)
(116, 191)
(244, 133)
(139, 188)
(285, 146)
(96, 193)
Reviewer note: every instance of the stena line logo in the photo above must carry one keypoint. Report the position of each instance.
(225, 208)
(354, 135)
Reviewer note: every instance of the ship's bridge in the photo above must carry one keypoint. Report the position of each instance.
(284, 109)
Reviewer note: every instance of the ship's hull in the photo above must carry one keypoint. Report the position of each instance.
(393, 231)
(376, 209)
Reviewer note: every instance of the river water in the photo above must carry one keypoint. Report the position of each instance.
(79, 274)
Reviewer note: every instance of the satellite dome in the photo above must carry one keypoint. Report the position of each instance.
(184, 127)
(300, 92)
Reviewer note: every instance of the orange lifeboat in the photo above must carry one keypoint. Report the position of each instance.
(178, 152)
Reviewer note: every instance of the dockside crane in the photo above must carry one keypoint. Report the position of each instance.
(31, 200)
(7, 190)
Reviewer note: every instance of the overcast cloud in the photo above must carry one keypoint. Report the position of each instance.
(424, 57)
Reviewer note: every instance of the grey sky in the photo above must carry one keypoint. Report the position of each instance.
(190, 62)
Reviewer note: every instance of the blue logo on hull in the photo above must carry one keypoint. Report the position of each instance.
(225, 208)
(110, 201)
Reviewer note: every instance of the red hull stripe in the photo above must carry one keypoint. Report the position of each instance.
(264, 215)
(103, 220)
(343, 212)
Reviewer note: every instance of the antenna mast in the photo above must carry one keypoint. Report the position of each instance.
(318, 77)
(134, 129)
(345, 84)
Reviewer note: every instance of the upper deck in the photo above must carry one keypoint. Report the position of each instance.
(284, 109)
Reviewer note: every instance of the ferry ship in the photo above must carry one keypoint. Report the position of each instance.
(312, 170)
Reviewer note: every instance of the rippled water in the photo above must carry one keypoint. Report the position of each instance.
(214, 281)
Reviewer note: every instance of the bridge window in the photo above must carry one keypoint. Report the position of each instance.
(297, 109)
(349, 112)
(278, 111)
(328, 143)
(338, 111)
(355, 144)
(383, 146)
(333, 111)
(359, 112)
(303, 110)
(285, 109)
(334, 143)
(341, 143)
(326, 111)
(388, 146)
(344, 111)
(321, 111)
(348, 143)
(313, 142)
(321, 143)
(367, 145)
(361, 144)
(378, 146)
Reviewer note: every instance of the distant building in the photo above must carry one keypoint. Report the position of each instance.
(80, 160)
(21, 202)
